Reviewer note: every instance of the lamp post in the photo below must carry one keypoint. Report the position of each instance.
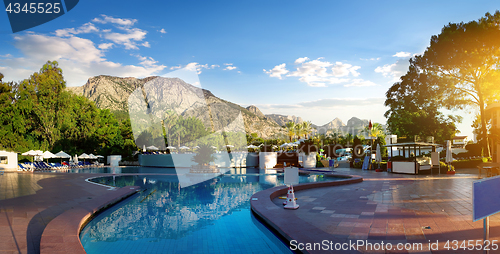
(370, 126)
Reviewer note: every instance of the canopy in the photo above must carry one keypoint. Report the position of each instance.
(32, 153)
(171, 147)
(378, 155)
(48, 155)
(252, 147)
(184, 147)
(91, 156)
(285, 145)
(449, 155)
(99, 156)
(154, 148)
(84, 156)
(229, 146)
(196, 147)
(62, 154)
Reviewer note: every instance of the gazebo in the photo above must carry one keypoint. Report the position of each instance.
(411, 164)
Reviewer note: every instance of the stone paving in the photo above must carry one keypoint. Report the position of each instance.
(385, 207)
(30, 201)
(393, 208)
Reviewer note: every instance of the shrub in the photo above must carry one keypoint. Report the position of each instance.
(448, 168)
(307, 147)
(204, 155)
(267, 148)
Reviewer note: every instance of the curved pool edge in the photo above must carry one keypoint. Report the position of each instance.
(62, 234)
(285, 222)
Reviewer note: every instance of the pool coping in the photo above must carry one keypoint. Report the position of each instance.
(284, 221)
(62, 234)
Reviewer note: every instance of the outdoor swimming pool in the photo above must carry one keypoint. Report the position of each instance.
(210, 217)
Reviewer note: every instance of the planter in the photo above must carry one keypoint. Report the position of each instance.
(450, 172)
(204, 169)
(308, 161)
(268, 160)
(326, 163)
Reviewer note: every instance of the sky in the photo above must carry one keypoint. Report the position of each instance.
(319, 60)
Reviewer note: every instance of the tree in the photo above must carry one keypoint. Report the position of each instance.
(464, 59)
(414, 104)
(290, 129)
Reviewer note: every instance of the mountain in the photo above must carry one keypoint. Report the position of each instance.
(113, 93)
(281, 120)
(253, 109)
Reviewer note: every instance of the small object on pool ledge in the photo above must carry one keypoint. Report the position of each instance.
(290, 202)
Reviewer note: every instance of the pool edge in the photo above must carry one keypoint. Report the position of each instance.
(284, 221)
(62, 234)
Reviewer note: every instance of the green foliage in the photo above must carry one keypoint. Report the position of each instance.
(38, 113)
(461, 64)
(446, 166)
(204, 155)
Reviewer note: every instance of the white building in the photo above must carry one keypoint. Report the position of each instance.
(8, 160)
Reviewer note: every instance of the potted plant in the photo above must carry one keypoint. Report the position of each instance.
(307, 151)
(203, 158)
(268, 158)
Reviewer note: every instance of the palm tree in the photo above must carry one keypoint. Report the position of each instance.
(376, 131)
(307, 128)
(290, 128)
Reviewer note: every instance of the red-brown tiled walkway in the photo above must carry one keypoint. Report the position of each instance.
(393, 208)
(30, 201)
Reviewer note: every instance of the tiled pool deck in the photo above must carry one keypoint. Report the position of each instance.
(384, 207)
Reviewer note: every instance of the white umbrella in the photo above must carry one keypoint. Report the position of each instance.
(286, 145)
(62, 154)
(171, 147)
(154, 148)
(84, 156)
(229, 146)
(93, 157)
(251, 146)
(99, 156)
(196, 147)
(449, 155)
(183, 147)
(48, 155)
(378, 155)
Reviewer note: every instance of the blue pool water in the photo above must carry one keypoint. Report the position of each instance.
(210, 217)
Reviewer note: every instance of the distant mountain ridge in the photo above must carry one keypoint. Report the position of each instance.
(112, 93)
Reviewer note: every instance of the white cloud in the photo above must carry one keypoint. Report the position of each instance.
(146, 44)
(370, 59)
(359, 83)
(318, 73)
(395, 70)
(6, 55)
(229, 67)
(107, 19)
(402, 54)
(78, 57)
(84, 29)
(277, 71)
(105, 45)
(301, 60)
(163, 31)
(128, 39)
(326, 103)
(342, 70)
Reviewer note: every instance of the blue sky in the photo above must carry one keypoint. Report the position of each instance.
(315, 59)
